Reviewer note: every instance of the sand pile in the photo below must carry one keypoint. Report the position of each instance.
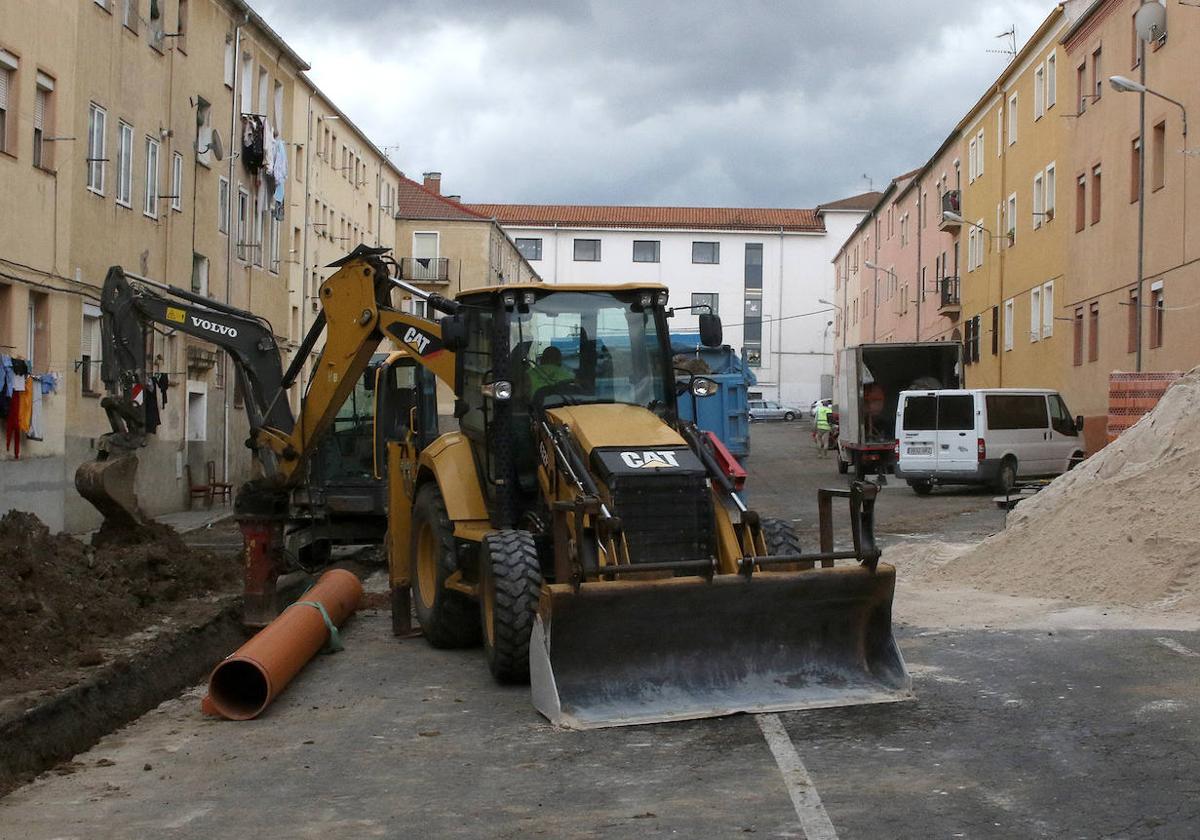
(1122, 528)
(60, 598)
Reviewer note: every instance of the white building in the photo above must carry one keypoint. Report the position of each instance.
(764, 270)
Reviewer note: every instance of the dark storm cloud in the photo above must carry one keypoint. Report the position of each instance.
(702, 102)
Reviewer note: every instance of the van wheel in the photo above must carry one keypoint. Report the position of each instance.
(922, 487)
(1006, 480)
(1074, 461)
(448, 618)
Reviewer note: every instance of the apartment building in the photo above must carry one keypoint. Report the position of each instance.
(1100, 199)
(763, 270)
(1015, 273)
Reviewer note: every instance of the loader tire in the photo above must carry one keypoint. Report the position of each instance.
(510, 583)
(448, 618)
(781, 539)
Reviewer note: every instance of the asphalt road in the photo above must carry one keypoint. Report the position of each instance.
(1014, 734)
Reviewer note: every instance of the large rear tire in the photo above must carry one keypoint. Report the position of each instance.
(510, 583)
(448, 619)
(779, 537)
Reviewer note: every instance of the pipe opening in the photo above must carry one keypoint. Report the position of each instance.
(239, 689)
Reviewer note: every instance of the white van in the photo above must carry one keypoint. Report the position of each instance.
(984, 436)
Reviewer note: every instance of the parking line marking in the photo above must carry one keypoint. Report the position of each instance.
(814, 821)
(1171, 644)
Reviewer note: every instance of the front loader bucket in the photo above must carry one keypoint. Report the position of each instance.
(108, 483)
(629, 652)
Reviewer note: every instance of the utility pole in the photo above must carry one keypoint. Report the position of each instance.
(1141, 279)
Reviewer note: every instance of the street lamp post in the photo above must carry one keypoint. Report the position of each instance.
(1123, 84)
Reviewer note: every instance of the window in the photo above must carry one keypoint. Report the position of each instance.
(8, 100)
(263, 81)
(1012, 218)
(1097, 75)
(182, 26)
(43, 121)
(259, 242)
(1081, 84)
(1008, 324)
(1060, 417)
(587, 250)
(1135, 43)
(1039, 92)
(243, 222)
(1081, 203)
(1158, 157)
(979, 168)
(530, 249)
(204, 132)
(646, 250)
(1016, 411)
(972, 148)
(700, 300)
(223, 204)
(706, 253)
(177, 181)
(199, 274)
(956, 412)
(247, 98)
(1039, 200)
(229, 61)
(124, 164)
(1094, 331)
(129, 14)
(1012, 120)
(995, 330)
(97, 117)
(89, 351)
(1157, 311)
(273, 263)
(1035, 314)
(1078, 337)
(278, 106)
(1051, 82)
(1135, 170)
(1096, 191)
(999, 130)
(974, 348)
(1131, 341)
(197, 408)
(1047, 309)
(920, 414)
(1050, 192)
(150, 207)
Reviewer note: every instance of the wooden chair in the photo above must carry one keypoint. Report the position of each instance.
(197, 491)
(224, 489)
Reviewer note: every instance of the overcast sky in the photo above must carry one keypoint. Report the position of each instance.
(697, 102)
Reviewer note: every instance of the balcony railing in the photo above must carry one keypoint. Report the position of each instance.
(951, 203)
(425, 269)
(950, 296)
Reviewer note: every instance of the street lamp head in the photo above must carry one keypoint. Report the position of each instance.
(951, 216)
(1123, 84)
(870, 265)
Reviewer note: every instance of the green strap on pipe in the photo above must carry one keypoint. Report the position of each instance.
(334, 643)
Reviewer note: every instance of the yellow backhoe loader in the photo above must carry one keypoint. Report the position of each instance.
(591, 540)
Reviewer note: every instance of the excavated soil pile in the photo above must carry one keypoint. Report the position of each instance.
(1122, 528)
(61, 599)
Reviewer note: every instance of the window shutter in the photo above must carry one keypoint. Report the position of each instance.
(39, 109)
(4, 74)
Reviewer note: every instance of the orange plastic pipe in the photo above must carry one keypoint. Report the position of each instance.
(247, 681)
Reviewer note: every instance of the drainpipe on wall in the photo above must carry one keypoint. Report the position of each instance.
(920, 265)
(232, 232)
(875, 291)
(779, 328)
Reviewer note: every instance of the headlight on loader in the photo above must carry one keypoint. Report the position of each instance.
(499, 390)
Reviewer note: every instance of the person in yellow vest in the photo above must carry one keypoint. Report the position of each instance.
(823, 426)
(549, 370)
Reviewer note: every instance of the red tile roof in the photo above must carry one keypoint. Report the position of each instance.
(413, 201)
(688, 218)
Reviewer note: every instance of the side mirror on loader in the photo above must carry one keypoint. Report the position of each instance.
(454, 332)
(711, 334)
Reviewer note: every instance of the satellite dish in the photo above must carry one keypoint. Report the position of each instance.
(215, 146)
(1151, 21)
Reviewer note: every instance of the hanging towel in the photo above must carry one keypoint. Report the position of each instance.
(6, 375)
(151, 404)
(34, 398)
(280, 174)
(26, 405)
(49, 383)
(252, 142)
(268, 143)
(163, 383)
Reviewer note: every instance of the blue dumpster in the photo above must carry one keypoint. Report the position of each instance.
(726, 413)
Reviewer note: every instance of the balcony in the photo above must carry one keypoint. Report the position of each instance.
(951, 203)
(950, 302)
(425, 269)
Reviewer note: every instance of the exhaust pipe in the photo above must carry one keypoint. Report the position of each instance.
(246, 682)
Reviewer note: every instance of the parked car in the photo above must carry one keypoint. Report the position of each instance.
(770, 410)
(812, 411)
(984, 436)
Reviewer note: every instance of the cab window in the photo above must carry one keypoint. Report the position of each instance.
(1060, 418)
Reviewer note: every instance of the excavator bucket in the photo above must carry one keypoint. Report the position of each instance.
(108, 484)
(625, 652)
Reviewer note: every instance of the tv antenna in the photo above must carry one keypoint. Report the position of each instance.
(1010, 49)
(870, 182)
